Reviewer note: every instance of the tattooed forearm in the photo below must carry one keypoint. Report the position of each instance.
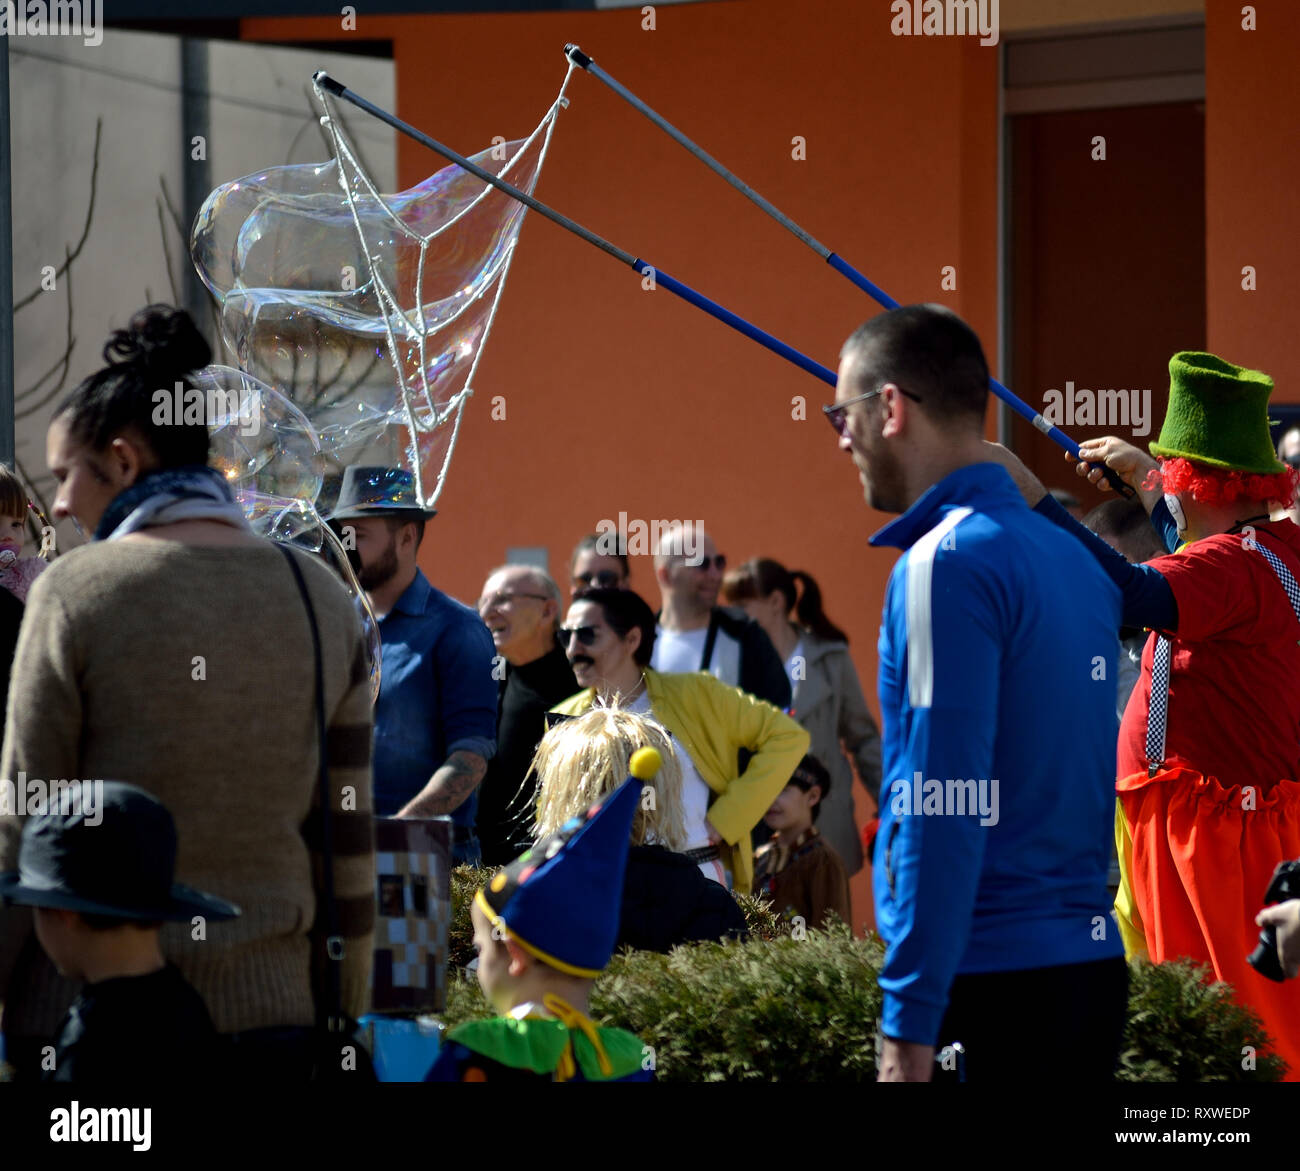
(449, 787)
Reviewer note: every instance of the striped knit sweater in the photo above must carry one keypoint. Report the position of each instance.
(188, 670)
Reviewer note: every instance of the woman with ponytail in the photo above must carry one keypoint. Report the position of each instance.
(174, 652)
(828, 699)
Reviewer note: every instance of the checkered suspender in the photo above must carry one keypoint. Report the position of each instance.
(1158, 711)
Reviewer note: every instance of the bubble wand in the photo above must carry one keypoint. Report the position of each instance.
(657, 275)
(838, 263)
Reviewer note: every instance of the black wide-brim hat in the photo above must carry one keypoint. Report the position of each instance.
(109, 849)
(183, 902)
(378, 491)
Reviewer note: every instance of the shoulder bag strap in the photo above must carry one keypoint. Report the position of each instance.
(333, 940)
(709, 639)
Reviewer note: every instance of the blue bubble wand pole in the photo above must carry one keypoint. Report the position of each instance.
(657, 275)
(838, 263)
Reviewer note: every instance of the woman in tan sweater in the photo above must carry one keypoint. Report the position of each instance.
(174, 652)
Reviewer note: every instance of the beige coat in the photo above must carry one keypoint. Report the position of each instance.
(828, 701)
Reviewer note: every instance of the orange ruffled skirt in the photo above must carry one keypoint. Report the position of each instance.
(1195, 860)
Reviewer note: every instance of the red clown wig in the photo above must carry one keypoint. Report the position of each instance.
(1214, 486)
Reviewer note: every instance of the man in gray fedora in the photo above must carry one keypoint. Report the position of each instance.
(435, 718)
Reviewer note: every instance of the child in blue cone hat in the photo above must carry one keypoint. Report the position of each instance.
(544, 929)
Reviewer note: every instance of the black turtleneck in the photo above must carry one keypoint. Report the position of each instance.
(505, 803)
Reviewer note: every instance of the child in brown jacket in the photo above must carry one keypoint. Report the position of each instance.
(797, 870)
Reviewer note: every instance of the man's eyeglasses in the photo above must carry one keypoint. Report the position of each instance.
(836, 413)
(586, 635)
(605, 579)
(500, 599)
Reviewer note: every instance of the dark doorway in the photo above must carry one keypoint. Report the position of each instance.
(1107, 271)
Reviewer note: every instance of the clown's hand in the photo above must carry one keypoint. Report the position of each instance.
(1130, 463)
(1286, 918)
(1031, 487)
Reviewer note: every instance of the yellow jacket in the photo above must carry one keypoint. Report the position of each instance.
(713, 722)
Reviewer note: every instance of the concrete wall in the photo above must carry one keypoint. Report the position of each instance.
(259, 116)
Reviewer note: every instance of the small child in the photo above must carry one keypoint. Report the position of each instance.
(98, 872)
(801, 874)
(16, 571)
(544, 929)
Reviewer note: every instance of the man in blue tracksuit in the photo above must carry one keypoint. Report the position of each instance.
(997, 671)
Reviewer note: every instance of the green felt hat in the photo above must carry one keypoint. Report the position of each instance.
(1218, 415)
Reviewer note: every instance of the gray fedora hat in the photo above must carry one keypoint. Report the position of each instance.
(378, 491)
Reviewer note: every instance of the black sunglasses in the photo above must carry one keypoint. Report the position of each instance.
(601, 578)
(586, 634)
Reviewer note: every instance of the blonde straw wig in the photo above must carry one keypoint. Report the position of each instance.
(582, 760)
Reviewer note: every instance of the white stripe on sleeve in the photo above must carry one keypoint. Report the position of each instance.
(920, 632)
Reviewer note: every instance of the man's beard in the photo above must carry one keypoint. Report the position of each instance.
(381, 572)
(886, 490)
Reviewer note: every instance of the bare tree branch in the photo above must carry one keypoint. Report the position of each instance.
(175, 214)
(23, 302)
(66, 362)
(167, 253)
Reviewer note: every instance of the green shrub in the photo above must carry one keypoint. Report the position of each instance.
(465, 881)
(1182, 1029)
(764, 1011)
(783, 1009)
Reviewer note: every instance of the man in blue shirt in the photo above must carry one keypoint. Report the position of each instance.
(435, 719)
(997, 692)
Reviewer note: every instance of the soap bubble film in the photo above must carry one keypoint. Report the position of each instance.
(366, 312)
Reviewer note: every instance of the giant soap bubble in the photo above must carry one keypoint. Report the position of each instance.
(367, 312)
(271, 456)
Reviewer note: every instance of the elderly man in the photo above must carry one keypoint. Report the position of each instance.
(997, 645)
(609, 639)
(520, 607)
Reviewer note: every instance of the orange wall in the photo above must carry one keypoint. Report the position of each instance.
(1252, 139)
(619, 399)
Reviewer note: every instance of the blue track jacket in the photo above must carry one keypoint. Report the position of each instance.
(997, 669)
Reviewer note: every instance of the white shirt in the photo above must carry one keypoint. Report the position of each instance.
(680, 652)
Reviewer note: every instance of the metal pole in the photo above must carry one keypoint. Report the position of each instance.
(196, 170)
(6, 270)
(661, 278)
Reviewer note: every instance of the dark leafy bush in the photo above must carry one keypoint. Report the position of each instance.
(1183, 1029)
(793, 1010)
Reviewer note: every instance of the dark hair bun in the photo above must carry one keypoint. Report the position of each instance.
(162, 343)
